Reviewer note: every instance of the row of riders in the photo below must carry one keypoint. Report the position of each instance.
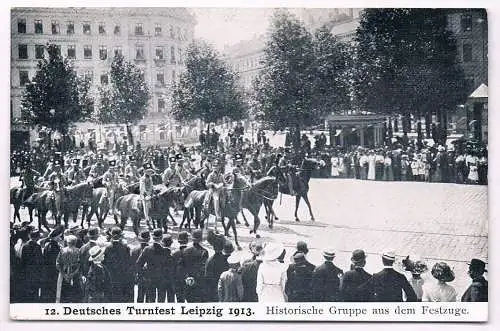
(222, 186)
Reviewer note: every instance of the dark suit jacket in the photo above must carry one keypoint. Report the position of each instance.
(249, 278)
(135, 252)
(157, 264)
(477, 291)
(298, 285)
(178, 264)
(84, 257)
(387, 286)
(350, 283)
(193, 262)
(326, 282)
(117, 260)
(214, 267)
(50, 252)
(31, 263)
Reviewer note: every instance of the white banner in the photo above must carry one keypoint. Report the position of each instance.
(353, 312)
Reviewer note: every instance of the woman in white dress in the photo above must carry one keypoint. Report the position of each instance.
(472, 160)
(335, 166)
(440, 291)
(371, 166)
(271, 276)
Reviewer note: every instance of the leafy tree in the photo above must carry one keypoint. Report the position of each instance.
(56, 97)
(284, 90)
(406, 64)
(207, 89)
(125, 99)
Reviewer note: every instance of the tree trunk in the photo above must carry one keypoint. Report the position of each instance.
(130, 137)
(428, 118)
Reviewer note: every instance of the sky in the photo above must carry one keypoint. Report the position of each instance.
(227, 26)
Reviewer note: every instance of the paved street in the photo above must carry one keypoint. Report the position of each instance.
(439, 222)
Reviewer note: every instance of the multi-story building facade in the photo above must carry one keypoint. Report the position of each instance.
(153, 38)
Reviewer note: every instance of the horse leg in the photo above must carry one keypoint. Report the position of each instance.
(30, 212)
(232, 224)
(297, 202)
(306, 199)
(244, 218)
(256, 222)
(123, 221)
(45, 223)
(16, 213)
(135, 225)
(174, 223)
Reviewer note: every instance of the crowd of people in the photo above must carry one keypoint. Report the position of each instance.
(75, 266)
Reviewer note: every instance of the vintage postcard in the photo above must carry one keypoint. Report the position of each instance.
(249, 164)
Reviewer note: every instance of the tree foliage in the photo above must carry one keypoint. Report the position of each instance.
(207, 89)
(406, 62)
(305, 76)
(125, 98)
(56, 97)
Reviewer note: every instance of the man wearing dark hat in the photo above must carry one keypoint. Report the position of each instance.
(159, 266)
(354, 278)
(215, 266)
(326, 279)
(298, 287)
(30, 267)
(179, 269)
(478, 290)
(135, 252)
(193, 262)
(131, 168)
(93, 234)
(121, 268)
(169, 175)
(75, 175)
(254, 167)
(50, 251)
(388, 285)
(98, 169)
(110, 181)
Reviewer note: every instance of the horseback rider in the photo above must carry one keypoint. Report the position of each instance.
(146, 189)
(75, 175)
(215, 184)
(57, 179)
(169, 175)
(182, 173)
(131, 170)
(27, 179)
(97, 169)
(254, 167)
(286, 165)
(110, 181)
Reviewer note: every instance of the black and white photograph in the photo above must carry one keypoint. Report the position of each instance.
(192, 158)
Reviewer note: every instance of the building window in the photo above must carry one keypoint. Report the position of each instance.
(103, 52)
(179, 52)
(86, 28)
(21, 25)
(55, 27)
(118, 51)
(139, 53)
(466, 23)
(58, 49)
(179, 36)
(159, 53)
(161, 105)
(172, 32)
(23, 78)
(138, 29)
(160, 78)
(157, 29)
(467, 52)
(71, 52)
(184, 34)
(23, 51)
(104, 79)
(87, 52)
(39, 52)
(173, 75)
(89, 75)
(102, 28)
(172, 54)
(116, 30)
(38, 26)
(70, 28)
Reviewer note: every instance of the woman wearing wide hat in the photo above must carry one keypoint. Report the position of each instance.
(440, 291)
(271, 276)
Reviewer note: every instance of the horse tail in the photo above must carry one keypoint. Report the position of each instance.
(104, 199)
(116, 210)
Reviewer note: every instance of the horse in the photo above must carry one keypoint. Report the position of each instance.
(17, 197)
(42, 202)
(301, 184)
(194, 184)
(263, 190)
(73, 197)
(98, 206)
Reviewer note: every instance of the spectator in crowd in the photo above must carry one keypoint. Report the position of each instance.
(98, 279)
(478, 290)
(440, 291)
(30, 267)
(135, 252)
(249, 271)
(298, 287)
(353, 279)
(416, 267)
(193, 262)
(388, 285)
(215, 266)
(271, 276)
(326, 279)
(69, 282)
(51, 249)
(230, 284)
(180, 272)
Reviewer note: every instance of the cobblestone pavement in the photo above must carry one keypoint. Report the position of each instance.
(439, 222)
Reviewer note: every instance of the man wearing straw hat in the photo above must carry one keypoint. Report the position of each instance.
(326, 279)
(388, 285)
(98, 279)
(249, 271)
